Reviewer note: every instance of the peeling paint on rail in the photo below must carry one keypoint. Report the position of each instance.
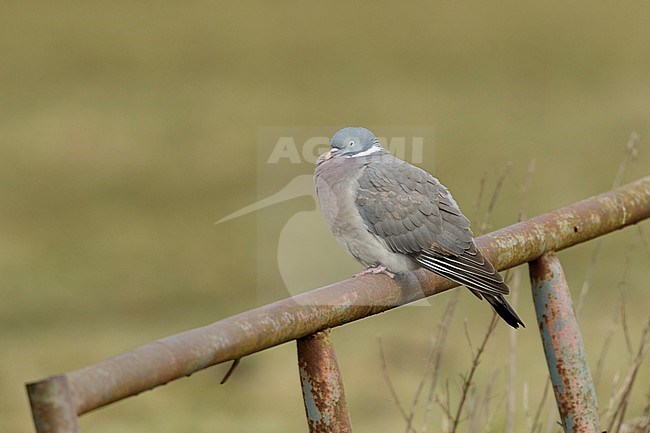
(563, 346)
(322, 385)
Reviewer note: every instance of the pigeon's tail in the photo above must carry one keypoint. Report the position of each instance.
(472, 270)
(504, 310)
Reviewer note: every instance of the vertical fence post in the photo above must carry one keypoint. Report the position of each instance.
(565, 352)
(322, 386)
(52, 406)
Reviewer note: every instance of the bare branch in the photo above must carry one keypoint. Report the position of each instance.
(523, 191)
(625, 391)
(418, 393)
(613, 395)
(644, 241)
(631, 152)
(551, 419)
(388, 380)
(540, 407)
(497, 190)
(586, 283)
(479, 198)
(626, 330)
(446, 420)
(443, 405)
(603, 352)
(441, 340)
(468, 379)
(487, 396)
(511, 402)
(623, 287)
(469, 339)
(529, 420)
(630, 155)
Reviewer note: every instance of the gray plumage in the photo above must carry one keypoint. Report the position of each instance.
(387, 212)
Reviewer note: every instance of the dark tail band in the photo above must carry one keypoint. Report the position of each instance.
(504, 310)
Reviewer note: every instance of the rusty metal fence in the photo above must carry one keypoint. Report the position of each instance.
(58, 400)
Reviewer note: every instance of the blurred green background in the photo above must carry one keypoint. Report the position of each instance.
(127, 128)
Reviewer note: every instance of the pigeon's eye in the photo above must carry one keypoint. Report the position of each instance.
(351, 143)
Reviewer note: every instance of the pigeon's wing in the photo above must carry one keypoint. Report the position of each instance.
(415, 215)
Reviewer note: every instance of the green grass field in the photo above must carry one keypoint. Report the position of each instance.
(128, 128)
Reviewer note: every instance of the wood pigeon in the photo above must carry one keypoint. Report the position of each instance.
(394, 217)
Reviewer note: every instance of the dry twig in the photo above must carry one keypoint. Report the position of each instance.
(497, 191)
(631, 152)
(625, 391)
(441, 340)
(389, 382)
(486, 402)
(467, 380)
(511, 404)
(603, 352)
(540, 407)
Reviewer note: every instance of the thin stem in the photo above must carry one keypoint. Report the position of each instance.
(467, 382)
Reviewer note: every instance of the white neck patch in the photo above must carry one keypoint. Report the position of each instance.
(370, 151)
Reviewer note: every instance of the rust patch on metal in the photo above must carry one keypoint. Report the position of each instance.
(322, 385)
(563, 347)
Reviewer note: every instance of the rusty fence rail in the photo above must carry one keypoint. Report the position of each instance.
(57, 401)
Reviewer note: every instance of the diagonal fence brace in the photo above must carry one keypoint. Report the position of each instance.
(563, 347)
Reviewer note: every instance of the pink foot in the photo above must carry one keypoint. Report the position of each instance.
(380, 269)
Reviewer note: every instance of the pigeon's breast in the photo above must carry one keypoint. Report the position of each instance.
(336, 188)
(336, 182)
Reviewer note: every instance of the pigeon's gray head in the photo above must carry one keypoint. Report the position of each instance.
(350, 142)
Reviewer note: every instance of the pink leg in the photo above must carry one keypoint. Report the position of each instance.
(380, 269)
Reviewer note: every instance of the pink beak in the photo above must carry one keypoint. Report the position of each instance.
(330, 154)
(327, 155)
